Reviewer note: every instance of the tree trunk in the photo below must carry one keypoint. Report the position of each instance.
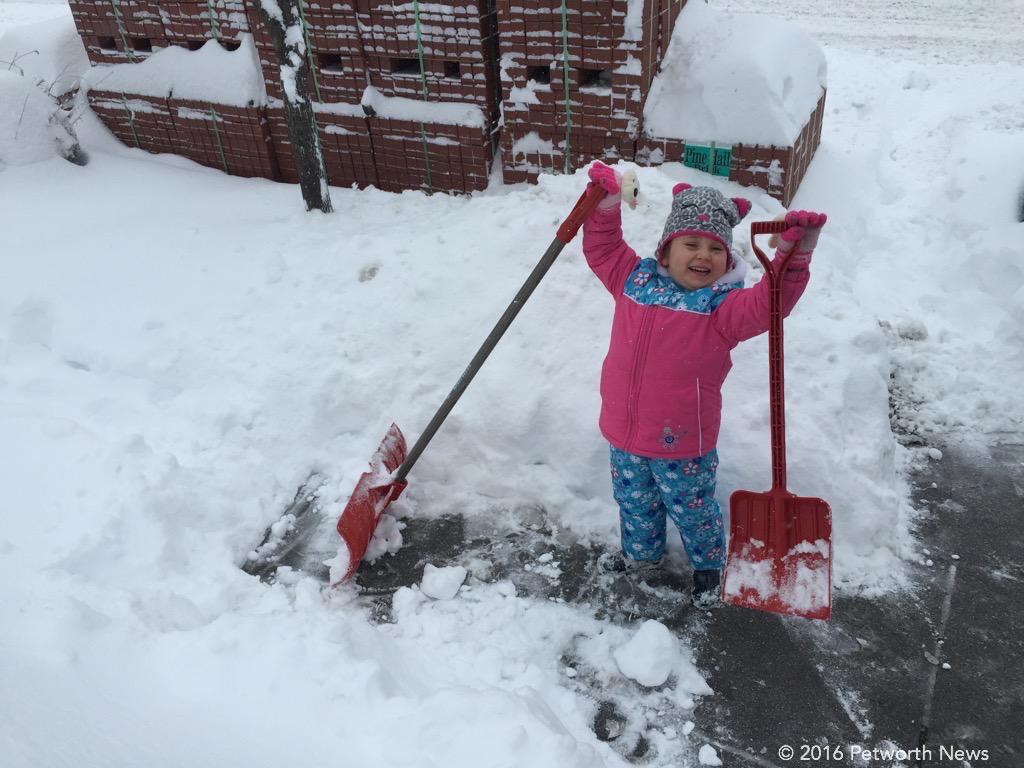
(283, 22)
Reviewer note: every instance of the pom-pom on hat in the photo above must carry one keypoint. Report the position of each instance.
(702, 211)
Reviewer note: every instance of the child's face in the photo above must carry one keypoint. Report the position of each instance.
(694, 261)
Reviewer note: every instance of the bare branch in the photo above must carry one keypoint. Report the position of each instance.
(58, 77)
(14, 62)
(20, 118)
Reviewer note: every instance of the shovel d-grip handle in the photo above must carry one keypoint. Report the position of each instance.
(583, 208)
(776, 356)
(767, 228)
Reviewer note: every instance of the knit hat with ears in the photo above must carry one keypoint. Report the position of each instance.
(702, 211)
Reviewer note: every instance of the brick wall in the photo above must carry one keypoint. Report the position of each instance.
(505, 59)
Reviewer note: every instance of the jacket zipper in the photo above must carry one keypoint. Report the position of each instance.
(639, 361)
(700, 429)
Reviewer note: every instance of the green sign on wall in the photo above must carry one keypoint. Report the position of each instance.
(708, 158)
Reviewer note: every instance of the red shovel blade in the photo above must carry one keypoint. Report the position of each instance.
(780, 554)
(372, 495)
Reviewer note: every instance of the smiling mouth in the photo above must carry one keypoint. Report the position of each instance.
(701, 270)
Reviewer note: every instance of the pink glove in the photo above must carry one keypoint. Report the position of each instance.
(801, 236)
(610, 181)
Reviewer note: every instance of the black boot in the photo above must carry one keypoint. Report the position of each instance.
(706, 588)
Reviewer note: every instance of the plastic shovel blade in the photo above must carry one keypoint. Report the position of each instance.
(372, 495)
(780, 554)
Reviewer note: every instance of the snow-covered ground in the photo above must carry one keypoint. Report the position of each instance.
(180, 349)
(958, 32)
(14, 13)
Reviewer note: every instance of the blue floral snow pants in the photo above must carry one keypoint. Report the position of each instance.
(684, 489)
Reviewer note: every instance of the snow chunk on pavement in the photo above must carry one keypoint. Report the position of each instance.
(442, 583)
(708, 756)
(340, 564)
(650, 656)
(387, 538)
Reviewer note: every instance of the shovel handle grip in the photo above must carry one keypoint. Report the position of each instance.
(765, 228)
(584, 207)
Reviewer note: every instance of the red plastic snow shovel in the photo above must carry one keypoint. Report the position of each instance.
(391, 462)
(780, 544)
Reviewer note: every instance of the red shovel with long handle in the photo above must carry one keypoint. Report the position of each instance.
(391, 463)
(780, 544)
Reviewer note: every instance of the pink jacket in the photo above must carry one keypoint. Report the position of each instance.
(661, 383)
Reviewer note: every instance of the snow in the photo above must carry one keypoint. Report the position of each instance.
(210, 74)
(273, 10)
(338, 566)
(349, 110)
(708, 756)
(532, 143)
(803, 582)
(650, 656)
(58, 64)
(180, 349)
(400, 108)
(17, 14)
(387, 537)
(633, 24)
(26, 133)
(527, 95)
(735, 79)
(442, 583)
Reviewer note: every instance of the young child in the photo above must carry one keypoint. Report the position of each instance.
(677, 316)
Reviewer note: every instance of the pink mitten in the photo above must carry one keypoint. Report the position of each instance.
(610, 181)
(801, 234)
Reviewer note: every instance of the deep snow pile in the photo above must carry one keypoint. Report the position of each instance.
(47, 51)
(39, 62)
(179, 349)
(919, 164)
(16, 14)
(735, 79)
(31, 129)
